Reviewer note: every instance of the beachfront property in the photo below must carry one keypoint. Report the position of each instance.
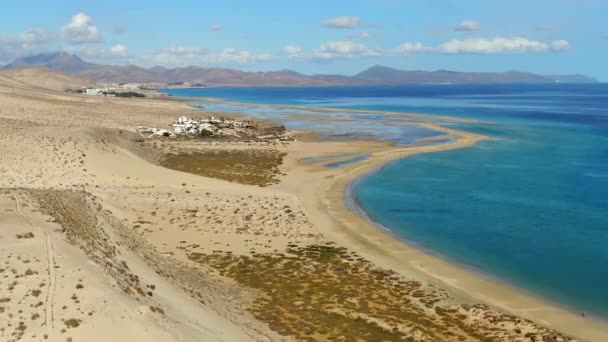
(96, 91)
(131, 86)
(184, 125)
(111, 90)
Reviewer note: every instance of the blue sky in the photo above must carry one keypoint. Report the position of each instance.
(331, 36)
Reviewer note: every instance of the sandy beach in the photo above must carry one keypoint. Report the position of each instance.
(109, 235)
(379, 245)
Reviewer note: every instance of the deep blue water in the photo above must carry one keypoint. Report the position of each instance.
(529, 207)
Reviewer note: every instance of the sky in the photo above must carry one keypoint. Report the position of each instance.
(330, 36)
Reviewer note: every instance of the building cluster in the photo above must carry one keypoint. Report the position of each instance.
(186, 125)
(110, 89)
(96, 91)
(197, 126)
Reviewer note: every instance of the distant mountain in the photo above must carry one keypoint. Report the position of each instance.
(75, 66)
(573, 79)
(60, 61)
(384, 75)
(43, 77)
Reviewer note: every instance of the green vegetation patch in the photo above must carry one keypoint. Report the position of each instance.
(324, 292)
(250, 166)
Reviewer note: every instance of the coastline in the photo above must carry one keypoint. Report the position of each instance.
(425, 117)
(190, 239)
(380, 245)
(329, 207)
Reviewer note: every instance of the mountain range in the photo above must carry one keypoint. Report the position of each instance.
(377, 75)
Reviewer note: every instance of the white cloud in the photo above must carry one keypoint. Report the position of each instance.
(185, 56)
(468, 26)
(560, 45)
(95, 53)
(36, 40)
(492, 46)
(234, 56)
(179, 55)
(292, 50)
(29, 42)
(343, 49)
(183, 51)
(87, 52)
(332, 50)
(35, 36)
(484, 46)
(407, 48)
(216, 27)
(119, 50)
(361, 35)
(80, 31)
(344, 22)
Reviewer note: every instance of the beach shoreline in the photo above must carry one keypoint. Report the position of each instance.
(378, 243)
(191, 100)
(190, 236)
(358, 232)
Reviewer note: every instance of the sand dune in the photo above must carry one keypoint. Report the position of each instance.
(100, 242)
(55, 292)
(41, 77)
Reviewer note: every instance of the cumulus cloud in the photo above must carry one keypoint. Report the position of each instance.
(35, 36)
(183, 51)
(343, 49)
(468, 26)
(332, 50)
(234, 56)
(292, 50)
(29, 42)
(408, 47)
(119, 50)
(178, 55)
(361, 35)
(499, 45)
(184, 56)
(484, 46)
(216, 27)
(95, 53)
(36, 40)
(559, 45)
(81, 31)
(492, 46)
(87, 52)
(344, 22)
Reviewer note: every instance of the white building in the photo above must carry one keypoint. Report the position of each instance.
(96, 91)
(131, 86)
(184, 124)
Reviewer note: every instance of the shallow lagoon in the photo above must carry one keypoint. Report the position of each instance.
(529, 207)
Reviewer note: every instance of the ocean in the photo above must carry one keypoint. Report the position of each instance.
(529, 206)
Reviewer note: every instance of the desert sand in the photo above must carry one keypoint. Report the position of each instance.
(107, 235)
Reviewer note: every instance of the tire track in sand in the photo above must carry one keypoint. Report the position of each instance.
(49, 310)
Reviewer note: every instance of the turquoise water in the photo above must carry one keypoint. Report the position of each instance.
(343, 124)
(348, 161)
(351, 158)
(529, 207)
